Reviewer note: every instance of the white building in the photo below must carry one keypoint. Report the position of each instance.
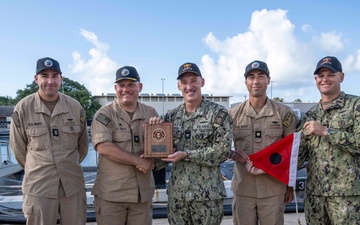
(164, 102)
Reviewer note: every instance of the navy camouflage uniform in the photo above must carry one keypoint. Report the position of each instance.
(333, 179)
(196, 189)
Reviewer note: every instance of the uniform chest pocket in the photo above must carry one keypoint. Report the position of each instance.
(203, 133)
(345, 124)
(70, 136)
(241, 134)
(242, 139)
(122, 136)
(38, 138)
(273, 133)
(123, 140)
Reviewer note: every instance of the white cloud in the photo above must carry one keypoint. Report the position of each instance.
(306, 28)
(270, 38)
(352, 63)
(357, 61)
(97, 72)
(329, 42)
(90, 36)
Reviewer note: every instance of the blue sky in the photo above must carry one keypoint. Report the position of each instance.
(92, 39)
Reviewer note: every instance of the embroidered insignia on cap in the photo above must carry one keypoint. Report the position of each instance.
(255, 65)
(125, 72)
(48, 63)
(187, 67)
(326, 60)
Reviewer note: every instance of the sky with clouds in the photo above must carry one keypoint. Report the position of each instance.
(92, 39)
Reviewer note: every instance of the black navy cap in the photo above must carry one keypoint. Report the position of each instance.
(47, 63)
(329, 62)
(256, 65)
(127, 73)
(189, 68)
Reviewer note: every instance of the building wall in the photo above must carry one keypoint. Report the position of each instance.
(5, 116)
(161, 102)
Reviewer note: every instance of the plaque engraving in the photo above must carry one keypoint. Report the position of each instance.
(158, 140)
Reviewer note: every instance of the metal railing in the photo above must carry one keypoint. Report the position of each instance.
(6, 154)
(4, 125)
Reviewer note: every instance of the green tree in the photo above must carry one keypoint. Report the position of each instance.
(298, 100)
(71, 88)
(7, 100)
(277, 99)
(30, 88)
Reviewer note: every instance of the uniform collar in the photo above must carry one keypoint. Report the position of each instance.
(337, 103)
(199, 111)
(61, 106)
(267, 110)
(139, 112)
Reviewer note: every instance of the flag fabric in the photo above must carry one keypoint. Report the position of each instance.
(280, 159)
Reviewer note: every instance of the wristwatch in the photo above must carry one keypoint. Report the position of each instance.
(187, 159)
(328, 131)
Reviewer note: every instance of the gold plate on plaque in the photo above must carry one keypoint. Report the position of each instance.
(158, 140)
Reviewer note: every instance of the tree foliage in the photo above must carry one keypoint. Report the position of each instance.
(6, 100)
(30, 88)
(278, 99)
(71, 88)
(298, 100)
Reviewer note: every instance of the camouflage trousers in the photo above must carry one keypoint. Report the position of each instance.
(332, 210)
(195, 212)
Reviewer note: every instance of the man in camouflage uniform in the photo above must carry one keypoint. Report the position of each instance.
(124, 184)
(202, 140)
(330, 144)
(257, 123)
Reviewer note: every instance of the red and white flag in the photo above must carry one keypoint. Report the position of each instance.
(280, 159)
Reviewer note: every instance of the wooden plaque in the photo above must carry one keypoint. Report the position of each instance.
(158, 140)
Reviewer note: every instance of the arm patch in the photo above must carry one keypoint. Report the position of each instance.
(358, 108)
(83, 118)
(15, 118)
(288, 119)
(103, 119)
(220, 117)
